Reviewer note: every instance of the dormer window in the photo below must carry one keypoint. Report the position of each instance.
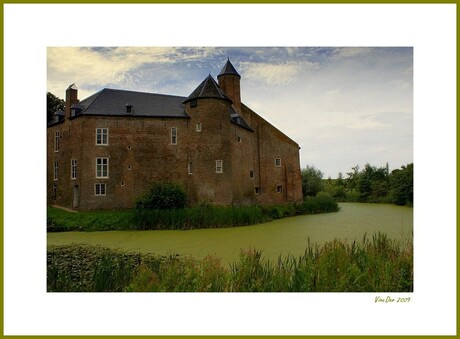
(58, 116)
(193, 103)
(75, 110)
(129, 108)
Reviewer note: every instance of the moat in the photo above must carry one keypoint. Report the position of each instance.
(279, 237)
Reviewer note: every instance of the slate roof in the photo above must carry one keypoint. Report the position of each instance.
(113, 102)
(228, 69)
(237, 119)
(208, 89)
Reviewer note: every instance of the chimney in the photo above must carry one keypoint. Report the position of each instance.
(71, 98)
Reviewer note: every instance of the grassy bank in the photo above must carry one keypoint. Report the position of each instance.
(203, 216)
(371, 265)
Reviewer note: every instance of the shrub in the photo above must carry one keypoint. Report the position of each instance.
(163, 195)
(322, 203)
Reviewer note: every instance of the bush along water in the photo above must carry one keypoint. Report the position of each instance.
(371, 265)
(204, 215)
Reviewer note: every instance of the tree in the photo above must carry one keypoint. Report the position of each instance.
(340, 181)
(402, 185)
(53, 104)
(353, 178)
(311, 181)
(373, 183)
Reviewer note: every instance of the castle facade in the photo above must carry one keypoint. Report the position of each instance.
(105, 151)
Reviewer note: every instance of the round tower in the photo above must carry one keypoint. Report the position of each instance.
(229, 82)
(209, 144)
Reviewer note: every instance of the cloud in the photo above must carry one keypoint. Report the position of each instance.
(351, 52)
(95, 67)
(274, 73)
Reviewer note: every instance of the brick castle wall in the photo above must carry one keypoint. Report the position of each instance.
(140, 152)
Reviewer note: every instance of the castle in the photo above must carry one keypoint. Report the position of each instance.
(104, 151)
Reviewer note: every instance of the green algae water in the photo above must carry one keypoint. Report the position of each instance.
(279, 237)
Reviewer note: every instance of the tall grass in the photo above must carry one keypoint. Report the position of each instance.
(370, 265)
(201, 216)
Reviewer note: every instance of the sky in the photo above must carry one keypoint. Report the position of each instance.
(343, 106)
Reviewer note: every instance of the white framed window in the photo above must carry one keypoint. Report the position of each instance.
(56, 169)
(73, 169)
(279, 189)
(277, 162)
(100, 189)
(102, 136)
(174, 135)
(190, 168)
(198, 126)
(219, 166)
(239, 138)
(102, 167)
(57, 140)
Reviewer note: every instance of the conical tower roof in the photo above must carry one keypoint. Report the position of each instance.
(228, 69)
(208, 89)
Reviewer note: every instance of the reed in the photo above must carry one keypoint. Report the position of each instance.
(204, 215)
(378, 264)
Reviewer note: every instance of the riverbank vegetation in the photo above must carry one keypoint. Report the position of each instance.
(370, 265)
(371, 184)
(204, 215)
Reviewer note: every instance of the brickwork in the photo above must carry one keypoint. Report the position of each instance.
(140, 151)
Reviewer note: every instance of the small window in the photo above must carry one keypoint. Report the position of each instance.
(198, 126)
(73, 169)
(193, 103)
(56, 168)
(102, 136)
(122, 183)
(129, 146)
(99, 189)
(239, 138)
(129, 168)
(257, 190)
(277, 162)
(219, 166)
(173, 135)
(251, 174)
(190, 169)
(279, 189)
(57, 140)
(102, 167)
(129, 108)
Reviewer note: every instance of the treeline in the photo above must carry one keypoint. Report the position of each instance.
(370, 184)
